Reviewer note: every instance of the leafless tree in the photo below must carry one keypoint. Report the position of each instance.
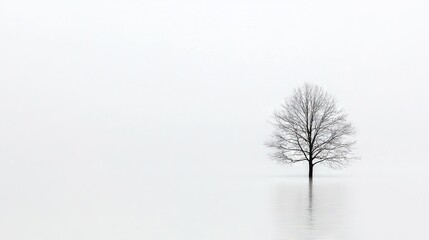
(309, 127)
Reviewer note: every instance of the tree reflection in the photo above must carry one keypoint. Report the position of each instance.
(306, 210)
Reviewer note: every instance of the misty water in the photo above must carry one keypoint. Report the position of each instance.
(234, 207)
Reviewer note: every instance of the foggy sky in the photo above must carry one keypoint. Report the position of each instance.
(94, 88)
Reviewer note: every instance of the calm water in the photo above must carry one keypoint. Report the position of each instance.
(253, 207)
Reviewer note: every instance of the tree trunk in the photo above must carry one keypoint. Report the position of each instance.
(310, 170)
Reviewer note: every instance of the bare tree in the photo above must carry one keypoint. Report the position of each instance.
(309, 127)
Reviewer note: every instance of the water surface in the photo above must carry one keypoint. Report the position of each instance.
(251, 207)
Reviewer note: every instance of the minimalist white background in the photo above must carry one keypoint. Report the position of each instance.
(105, 104)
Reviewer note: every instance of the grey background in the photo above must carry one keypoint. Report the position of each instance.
(95, 94)
(186, 86)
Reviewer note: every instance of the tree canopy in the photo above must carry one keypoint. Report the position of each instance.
(310, 127)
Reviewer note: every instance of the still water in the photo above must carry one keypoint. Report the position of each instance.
(250, 207)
